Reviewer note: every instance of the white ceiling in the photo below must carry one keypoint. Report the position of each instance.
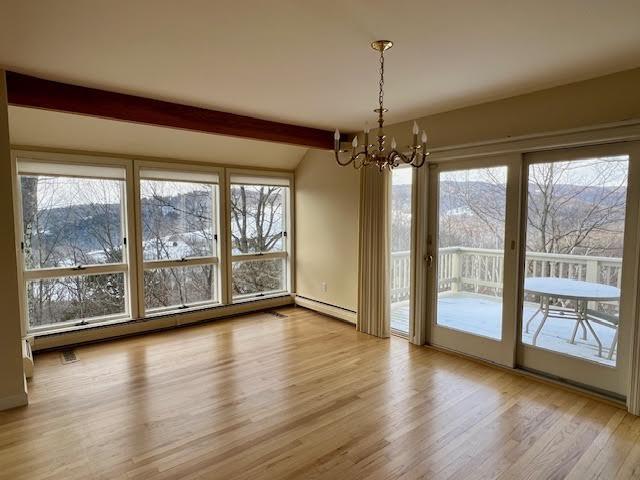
(308, 62)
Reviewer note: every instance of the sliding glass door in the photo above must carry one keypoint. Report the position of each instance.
(472, 255)
(532, 261)
(579, 232)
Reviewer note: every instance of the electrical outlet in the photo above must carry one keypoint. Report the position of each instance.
(323, 286)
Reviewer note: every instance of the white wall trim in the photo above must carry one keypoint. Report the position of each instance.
(327, 309)
(18, 400)
(627, 130)
(633, 342)
(419, 331)
(160, 322)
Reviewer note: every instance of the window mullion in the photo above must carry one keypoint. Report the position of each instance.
(75, 271)
(258, 256)
(187, 262)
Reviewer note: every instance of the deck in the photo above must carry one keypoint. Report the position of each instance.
(480, 315)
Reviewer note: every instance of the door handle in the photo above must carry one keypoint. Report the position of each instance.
(429, 259)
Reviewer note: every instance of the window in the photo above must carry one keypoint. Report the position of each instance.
(86, 262)
(259, 241)
(178, 212)
(73, 243)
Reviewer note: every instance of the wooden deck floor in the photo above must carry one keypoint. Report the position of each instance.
(260, 397)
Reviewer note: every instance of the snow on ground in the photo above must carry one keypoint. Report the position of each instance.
(482, 315)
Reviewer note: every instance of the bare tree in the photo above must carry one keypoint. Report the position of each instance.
(257, 216)
(69, 222)
(585, 217)
(574, 207)
(178, 223)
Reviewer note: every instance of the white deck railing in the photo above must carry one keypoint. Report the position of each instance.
(480, 270)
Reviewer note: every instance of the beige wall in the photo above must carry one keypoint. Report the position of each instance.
(611, 98)
(327, 230)
(12, 385)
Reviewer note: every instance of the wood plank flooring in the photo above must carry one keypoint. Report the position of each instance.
(302, 397)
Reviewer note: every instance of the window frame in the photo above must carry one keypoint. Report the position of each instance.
(214, 260)
(133, 265)
(287, 253)
(126, 267)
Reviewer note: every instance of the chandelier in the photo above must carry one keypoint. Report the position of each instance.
(377, 153)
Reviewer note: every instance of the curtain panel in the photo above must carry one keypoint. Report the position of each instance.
(373, 263)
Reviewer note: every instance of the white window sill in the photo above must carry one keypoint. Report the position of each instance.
(153, 316)
(256, 297)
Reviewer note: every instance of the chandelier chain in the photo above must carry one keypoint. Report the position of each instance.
(380, 156)
(381, 84)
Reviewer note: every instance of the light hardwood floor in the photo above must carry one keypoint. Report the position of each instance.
(302, 397)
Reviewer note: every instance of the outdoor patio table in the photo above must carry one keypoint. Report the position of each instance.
(581, 293)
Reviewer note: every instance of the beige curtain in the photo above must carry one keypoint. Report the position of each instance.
(373, 265)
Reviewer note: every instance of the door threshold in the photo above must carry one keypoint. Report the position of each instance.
(399, 333)
(607, 398)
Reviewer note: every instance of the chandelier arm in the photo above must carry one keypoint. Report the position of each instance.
(360, 153)
(423, 158)
(394, 155)
(343, 164)
(351, 159)
(404, 158)
(363, 162)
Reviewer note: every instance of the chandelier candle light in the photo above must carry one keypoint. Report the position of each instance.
(378, 154)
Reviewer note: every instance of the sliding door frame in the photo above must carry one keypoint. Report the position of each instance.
(500, 351)
(419, 332)
(615, 380)
(625, 131)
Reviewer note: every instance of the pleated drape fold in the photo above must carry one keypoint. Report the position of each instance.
(373, 263)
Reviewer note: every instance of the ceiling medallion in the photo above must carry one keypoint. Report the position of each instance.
(378, 154)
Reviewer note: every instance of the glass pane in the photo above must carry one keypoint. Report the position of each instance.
(67, 299)
(251, 277)
(573, 264)
(471, 219)
(257, 218)
(400, 273)
(71, 221)
(179, 286)
(177, 219)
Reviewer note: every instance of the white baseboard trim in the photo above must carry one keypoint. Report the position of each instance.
(331, 310)
(14, 401)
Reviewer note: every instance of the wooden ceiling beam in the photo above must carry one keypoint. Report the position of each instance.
(27, 91)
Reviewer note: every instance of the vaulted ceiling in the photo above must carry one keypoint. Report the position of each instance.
(309, 62)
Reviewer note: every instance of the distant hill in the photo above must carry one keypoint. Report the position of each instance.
(450, 201)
